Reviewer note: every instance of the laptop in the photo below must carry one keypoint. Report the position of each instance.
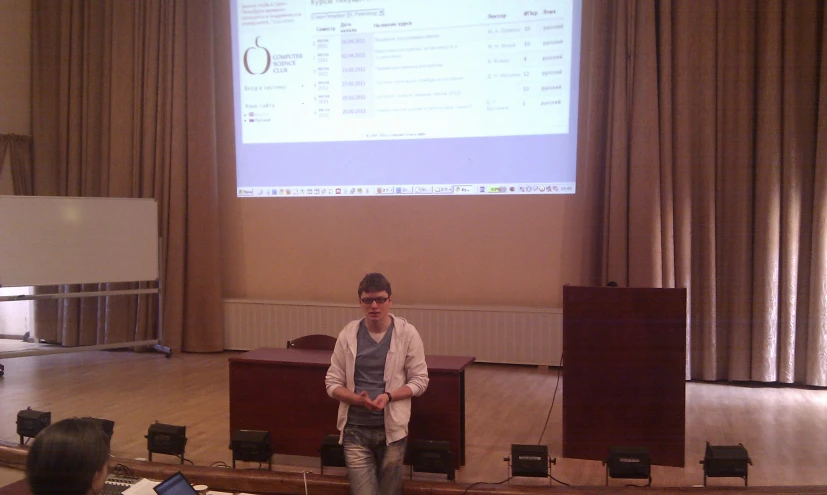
(176, 484)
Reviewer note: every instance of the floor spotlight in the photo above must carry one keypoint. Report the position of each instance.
(628, 463)
(726, 461)
(106, 425)
(30, 422)
(252, 446)
(333, 454)
(431, 456)
(166, 439)
(530, 461)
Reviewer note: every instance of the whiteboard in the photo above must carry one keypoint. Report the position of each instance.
(48, 240)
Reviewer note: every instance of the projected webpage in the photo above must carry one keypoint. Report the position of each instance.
(445, 84)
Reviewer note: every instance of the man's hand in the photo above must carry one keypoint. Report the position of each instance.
(376, 404)
(380, 401)
(363, 399)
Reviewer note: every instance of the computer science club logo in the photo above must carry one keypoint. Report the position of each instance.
(257, 59)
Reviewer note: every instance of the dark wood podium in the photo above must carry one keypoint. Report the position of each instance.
(282, 391)
(624, 365)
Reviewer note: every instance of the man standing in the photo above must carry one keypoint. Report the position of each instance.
(378, 364)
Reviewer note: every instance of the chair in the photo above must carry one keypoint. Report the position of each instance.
(315, 342)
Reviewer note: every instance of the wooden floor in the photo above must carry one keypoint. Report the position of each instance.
(784, 429)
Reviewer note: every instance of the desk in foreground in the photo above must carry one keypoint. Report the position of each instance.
(282, 391)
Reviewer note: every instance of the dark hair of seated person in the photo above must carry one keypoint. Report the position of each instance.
(68, 458)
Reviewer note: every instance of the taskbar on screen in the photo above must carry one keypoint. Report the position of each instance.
(406, 190)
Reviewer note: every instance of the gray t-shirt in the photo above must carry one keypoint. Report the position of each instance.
(369, 374)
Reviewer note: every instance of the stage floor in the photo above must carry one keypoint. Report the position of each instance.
(782, 427)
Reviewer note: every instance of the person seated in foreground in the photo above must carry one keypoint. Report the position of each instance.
(68, 458)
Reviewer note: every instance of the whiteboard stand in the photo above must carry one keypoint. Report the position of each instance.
(154, 343)
(159, 346)
(51, 240)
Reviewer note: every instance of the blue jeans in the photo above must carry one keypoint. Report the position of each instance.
(373, 468)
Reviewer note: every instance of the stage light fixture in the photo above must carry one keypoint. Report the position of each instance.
(431, 456)
(30, 422)
(531, 461)
(252, 446)
(628, 463)
(332, 453)
(726, 461)
(106, 425)
(166, 439)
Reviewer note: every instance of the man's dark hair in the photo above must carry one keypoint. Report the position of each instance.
(374, 282)
(65, 457)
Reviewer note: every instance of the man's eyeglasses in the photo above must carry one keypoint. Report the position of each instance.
(370, 300)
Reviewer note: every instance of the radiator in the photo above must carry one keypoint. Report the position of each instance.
(492, 335)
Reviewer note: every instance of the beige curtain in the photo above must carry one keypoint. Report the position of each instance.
(20, 150)
(123, 106)
(712, 175)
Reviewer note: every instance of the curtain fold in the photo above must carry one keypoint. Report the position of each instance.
(816, 338)
(19, 149)
(735, 104)
(767, 210)
(123, 107)
(5, 140)
(593, 120)
(21, 166)
(715, 176)
(802, 46)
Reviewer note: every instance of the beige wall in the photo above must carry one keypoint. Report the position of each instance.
(501, 251)
(451, 251)
(15, 75)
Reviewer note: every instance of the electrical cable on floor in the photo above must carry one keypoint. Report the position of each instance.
(647, 485)
(553, 397)
(558, 481)
(548, 417)
(485, 483)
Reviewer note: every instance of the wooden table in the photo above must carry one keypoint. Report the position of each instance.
(282, 391)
